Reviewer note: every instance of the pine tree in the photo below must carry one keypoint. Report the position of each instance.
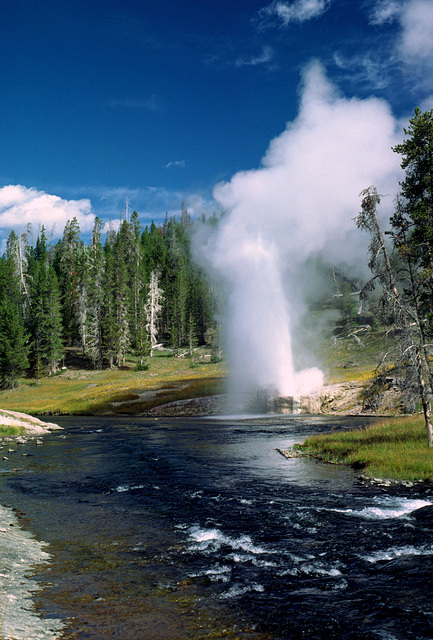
(136, 266)
(192, 338)
(13, 337)
(16, 249)
(104, 291)
(412, 222)
(67, 268)
(45, 311)
(122, 295)
(94, 294)
(109, 303)
(176, 285)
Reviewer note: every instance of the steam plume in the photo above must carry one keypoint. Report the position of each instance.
(301, 201)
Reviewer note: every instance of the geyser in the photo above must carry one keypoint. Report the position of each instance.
(301, 202)
(258, 323)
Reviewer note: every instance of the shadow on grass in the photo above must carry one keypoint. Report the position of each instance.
(131, 404)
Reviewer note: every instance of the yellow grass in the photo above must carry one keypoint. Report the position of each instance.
(87, 392)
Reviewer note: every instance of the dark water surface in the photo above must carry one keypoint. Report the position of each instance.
(173, 529)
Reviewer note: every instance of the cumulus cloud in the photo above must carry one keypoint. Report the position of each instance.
(300, 202)
(20, 206)
(282, 13)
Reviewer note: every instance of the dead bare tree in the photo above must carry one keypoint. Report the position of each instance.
(409, 361)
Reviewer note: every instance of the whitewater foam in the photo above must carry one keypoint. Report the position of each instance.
(211, 540)
(385, 507)
(398, 552)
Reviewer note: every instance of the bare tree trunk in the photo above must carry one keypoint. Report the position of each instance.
(425, 399)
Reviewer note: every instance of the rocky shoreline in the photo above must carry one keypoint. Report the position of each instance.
(344, 398)
(33, 426)
(20, 552)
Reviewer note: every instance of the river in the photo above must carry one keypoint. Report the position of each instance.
(174, 529)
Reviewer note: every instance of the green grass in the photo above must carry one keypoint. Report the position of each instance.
(7, 430)
(82, 391)
(396, 449)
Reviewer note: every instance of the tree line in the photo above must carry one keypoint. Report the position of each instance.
(124, 296)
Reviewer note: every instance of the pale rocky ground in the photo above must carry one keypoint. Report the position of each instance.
(19, 553)
(33, 426)
(342, 398)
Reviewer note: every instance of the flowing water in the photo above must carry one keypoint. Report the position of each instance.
(174, 529)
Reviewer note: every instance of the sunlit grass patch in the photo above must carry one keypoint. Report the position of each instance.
(80, 391)
(8, 430)
(347, 360)
(395, 449)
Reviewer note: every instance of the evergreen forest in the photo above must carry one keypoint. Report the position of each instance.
(125, 296)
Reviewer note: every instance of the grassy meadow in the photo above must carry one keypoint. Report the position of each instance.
(396, 449)
(80, 390)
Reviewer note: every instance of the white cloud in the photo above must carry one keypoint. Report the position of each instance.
(416, 41)
(282, 13)
(301, 201)
(426, 104)
(20, 206)
(413, 41)
(265, 57)
(363, 69)
(176, 163)
(385, 11)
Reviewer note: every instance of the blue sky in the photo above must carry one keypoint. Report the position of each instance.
(159, 102)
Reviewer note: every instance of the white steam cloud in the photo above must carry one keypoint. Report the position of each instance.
(416, 44)
(20, 206)
(414, 40)
(301, 201)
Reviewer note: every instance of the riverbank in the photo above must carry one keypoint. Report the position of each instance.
(80, 390)
(20, 552)
(395, 450)
(22, 423)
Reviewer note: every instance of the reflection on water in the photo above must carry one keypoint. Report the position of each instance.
(199, 529)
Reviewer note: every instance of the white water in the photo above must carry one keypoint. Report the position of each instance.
(399, 552)
(385, 507)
